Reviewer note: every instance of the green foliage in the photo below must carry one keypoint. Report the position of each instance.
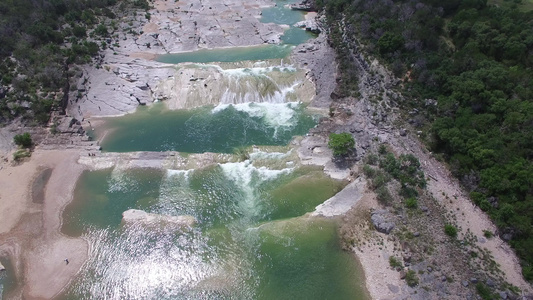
(450, 230)
(475, 59)
(488, 234)
(405, 169)
(372, 159)
(143, 4)
(411, 278)
(341, 143)
(23, 140)
(390, 42)
(383, 195)
(33, 53)
(484, 292)
(411, 202)
(101, 30)
(394, 262)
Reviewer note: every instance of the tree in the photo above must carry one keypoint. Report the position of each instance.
(341, 143)
(23, 140)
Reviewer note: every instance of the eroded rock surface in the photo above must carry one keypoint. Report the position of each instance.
(136, 215)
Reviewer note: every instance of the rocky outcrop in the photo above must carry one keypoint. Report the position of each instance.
(318, 58)
(2, 268)
(382, 220)
(309, 25)
(305, 5)
(135, 215)
(343, 201)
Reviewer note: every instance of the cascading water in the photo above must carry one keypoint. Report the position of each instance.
(198, 85)
(233, 252)
(251, 237)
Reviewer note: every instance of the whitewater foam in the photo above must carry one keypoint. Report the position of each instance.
(274, 114)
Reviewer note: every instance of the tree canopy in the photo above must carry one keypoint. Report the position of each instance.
(476, 61)
(341, 143)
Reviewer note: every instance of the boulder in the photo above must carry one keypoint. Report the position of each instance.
(382, 220)
(2, 268)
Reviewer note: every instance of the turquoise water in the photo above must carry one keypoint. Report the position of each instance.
(206, 130)
(250, 241)
(228, 54)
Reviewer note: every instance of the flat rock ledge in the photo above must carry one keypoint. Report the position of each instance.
(343, 201)
(382, 220)
(136, 215)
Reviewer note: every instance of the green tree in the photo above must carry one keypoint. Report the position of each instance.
(341, 143)
(23, 140)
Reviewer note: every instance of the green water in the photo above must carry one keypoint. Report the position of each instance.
(253, 238)
(205, 130)
(233, 54)
(250, 241)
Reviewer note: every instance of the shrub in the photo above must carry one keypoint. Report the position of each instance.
(341, 143)
(369, 171)
(411, 278)
(372, 159)
(394, 262)
(488, 234)
(383, 195)
(484, 291)
(20, 154)
(450, 230)
(23, 140)
(411, 202)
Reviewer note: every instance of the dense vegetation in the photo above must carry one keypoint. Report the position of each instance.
(476, 61)
(39, 41)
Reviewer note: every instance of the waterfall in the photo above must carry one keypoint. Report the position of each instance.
(199, 85)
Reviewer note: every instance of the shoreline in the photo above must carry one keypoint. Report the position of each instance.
(34, 243)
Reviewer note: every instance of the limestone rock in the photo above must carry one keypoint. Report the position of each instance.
(309, 25)
(135, 215)
(2, 268)
(382, 221)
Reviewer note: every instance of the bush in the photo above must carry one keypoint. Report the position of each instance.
(488, 234)
(394, 262)
(411, 278)
(411, 203)
(484, 291)
(23, 140)
(20, 154)
(450, 230)
(369, 171)
(383, 195)
(341, 143)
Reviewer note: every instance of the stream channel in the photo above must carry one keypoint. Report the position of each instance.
(252, 237)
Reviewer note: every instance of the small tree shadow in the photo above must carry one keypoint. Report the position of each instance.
(345, 161)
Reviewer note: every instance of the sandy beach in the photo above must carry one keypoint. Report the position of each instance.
(31, 236)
